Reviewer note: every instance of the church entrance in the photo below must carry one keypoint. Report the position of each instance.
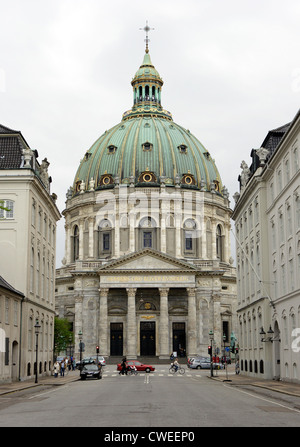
(147, 337)
(179, 339)
(116, 339)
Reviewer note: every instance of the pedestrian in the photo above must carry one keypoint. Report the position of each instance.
(237, 367)
(66, 363)
(123, 367)
(62, 368)
(56, 368)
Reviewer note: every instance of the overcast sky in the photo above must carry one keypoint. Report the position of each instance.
(231, 72)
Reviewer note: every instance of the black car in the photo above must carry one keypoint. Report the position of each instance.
(91, 371)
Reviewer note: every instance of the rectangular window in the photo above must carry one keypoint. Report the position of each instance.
(188, 240)
(16, 313)
(147, 243)
(106, 241)
(8, 211)
(6, 360)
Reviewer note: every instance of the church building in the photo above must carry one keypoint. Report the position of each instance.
(147, 267)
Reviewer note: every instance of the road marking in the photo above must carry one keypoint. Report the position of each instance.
(43, 394)
(262, 398)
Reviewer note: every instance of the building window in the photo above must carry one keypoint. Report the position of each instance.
(279, 178)
(219, 247)
(182, 148)
(296, 160)
(190, 235)
(75, 250)
(8, 209)
(147, 233)
(106, 241)
(111, 149)
(147, 146)
(104, 238)
(32, 271)
(188, 240)
(147, 239)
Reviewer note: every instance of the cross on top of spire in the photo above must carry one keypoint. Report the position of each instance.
(147, 29)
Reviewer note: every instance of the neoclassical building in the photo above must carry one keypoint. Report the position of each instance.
(27, 263)
(147, 267)
(267, 220)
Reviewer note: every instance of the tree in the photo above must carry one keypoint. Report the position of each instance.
(63, 336)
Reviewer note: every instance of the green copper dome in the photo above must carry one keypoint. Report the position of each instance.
(147, 148)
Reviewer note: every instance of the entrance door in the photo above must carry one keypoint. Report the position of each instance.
(179, 338)
(147, 336)
(116, 339)
(15, 363)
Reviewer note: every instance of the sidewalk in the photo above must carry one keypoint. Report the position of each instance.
(6, 388)
(292, 389)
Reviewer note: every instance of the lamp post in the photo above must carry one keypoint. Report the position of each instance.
(80, 346)
(211, 337)
(37, 330)
(224, 339)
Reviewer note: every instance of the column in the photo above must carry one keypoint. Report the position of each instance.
(116, 252)
(103, 321)
(164, 324)
(163, 211)
(78, 326)
(81, 225)
(214, 238)
(131, 325)
(68, 244)
(203, 240)
(192, 333)
(217, 323)
(91, 237)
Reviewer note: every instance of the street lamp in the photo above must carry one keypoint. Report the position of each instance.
(224, 339)
(211, 337)
(80, 346)
(270, 337)
(37, 330)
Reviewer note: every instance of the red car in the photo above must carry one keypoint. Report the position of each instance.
(139, 366)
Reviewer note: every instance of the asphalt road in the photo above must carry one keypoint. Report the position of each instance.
(148, 400)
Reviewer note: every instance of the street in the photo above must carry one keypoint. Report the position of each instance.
(149, 400)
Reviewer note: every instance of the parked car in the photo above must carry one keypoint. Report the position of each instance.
(91, 371)
(101, 359)
(201, 363)
(139, 366)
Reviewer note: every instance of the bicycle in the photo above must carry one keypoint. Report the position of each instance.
(180, 369)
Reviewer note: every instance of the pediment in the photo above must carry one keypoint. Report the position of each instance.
(148, 260)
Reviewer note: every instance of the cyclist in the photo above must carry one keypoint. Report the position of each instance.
(176, 364)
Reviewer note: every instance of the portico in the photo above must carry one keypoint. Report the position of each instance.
(159, 293)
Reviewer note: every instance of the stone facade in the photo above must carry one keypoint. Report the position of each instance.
(267, 218)
(28, 239)
(164, 293)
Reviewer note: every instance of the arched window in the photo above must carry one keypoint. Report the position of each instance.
(219, 245)
(75, 251)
